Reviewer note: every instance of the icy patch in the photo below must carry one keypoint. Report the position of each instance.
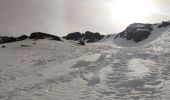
(139, 67)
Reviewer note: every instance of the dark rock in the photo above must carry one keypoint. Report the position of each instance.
(116, 36)
(6, 39)
(40, 35)
(23, 37)
(81, 43)
(3, 46)
(108, 36)
(25, 46)
(136, 32)
(164, 24)
(33, 43)
(88, 36)
(141, 35)
(74, 36)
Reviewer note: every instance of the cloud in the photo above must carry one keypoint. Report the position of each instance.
(60, 16)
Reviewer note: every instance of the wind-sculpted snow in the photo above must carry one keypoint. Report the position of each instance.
(53, 70)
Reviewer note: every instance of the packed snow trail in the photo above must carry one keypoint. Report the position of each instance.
(50, 70)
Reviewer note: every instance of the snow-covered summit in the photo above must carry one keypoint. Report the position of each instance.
(139, 34)
(134, 34)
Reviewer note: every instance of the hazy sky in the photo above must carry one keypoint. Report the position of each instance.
(61, 17)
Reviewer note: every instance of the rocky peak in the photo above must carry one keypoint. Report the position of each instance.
(87, 37)
(136, 32)
(40, 35)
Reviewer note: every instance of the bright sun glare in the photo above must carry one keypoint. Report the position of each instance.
(130, 11)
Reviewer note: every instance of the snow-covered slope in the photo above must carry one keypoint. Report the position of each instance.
(107, 70)
(44, 69)
(126, 38)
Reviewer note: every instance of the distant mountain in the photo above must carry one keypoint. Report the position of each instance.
(139, 32)
(48, 67)
(87, 37)
(136, 32)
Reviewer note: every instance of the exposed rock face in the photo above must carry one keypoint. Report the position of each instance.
(90, 37)
(40, 35)
(164, 24)
(36, 35)
(141, 35)
(23, 37)
(87, 37)
(136, 32)
(6, 39)
(74, 36)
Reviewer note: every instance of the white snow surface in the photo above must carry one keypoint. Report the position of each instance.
(107, 70)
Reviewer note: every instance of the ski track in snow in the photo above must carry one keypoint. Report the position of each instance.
(64, 71)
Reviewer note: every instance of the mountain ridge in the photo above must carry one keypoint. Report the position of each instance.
(43, 68)
(136, 32)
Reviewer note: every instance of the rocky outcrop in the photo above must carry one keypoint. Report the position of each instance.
(136, 32)
(6, 39)
(164, 24)
(35, 35)
(40, 35)
(22, 37)
(91, 37)
(74, 36)
(88, 37)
